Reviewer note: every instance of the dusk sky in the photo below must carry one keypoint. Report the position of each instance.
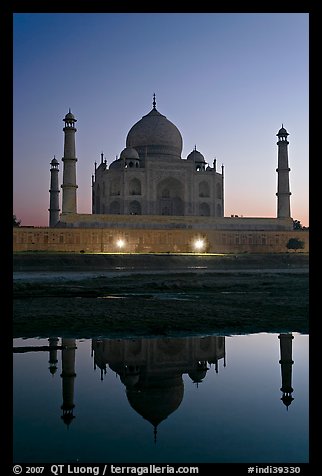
(228, 81)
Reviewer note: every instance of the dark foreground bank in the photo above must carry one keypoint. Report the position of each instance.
(190, 295)
(64, 262)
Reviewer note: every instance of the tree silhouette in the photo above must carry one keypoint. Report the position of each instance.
(295, 244)
(297, 225)
(16, 222)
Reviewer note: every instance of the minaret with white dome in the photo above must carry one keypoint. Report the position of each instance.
(283, 186)
(54, 193)
(69, 203)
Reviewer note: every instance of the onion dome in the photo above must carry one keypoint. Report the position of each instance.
(70, 116)
(129, 153)
(54, 164)
(196, 156)
(154, 134)
(197, 375)
(282, 132)
(287, 400)
(117, 164)
(156, 399)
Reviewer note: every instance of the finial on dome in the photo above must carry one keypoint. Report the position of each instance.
(154, 102)
(195, 147)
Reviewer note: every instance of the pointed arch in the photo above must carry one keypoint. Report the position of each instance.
(204, 209)
(135, 208)
(115, 187)
(170, 197)
(115, 208)
(204, 189)
(135, 187)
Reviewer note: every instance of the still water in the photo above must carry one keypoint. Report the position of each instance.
(236, 399)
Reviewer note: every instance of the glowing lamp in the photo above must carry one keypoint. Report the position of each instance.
(199, 244)
(120, 243)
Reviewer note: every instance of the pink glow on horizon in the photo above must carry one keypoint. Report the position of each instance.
(29, 218)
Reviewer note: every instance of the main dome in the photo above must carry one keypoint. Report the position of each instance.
(154, 134)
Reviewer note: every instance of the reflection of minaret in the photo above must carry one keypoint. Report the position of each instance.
(53, 341)
(68, 378)
(286, 368)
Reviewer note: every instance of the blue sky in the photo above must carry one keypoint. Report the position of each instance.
(227, 81)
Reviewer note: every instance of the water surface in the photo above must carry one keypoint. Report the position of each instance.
(239, 398)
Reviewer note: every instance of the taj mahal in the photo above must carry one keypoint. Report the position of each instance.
(151, 199)
(150, 177)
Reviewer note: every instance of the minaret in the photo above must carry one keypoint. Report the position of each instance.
(283, 170)
(68, 379)
(222, 191)
(286, 367)
(54, 193)
(69, 186)
(53, 341)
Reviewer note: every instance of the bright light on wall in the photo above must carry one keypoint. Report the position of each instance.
(199, 244)
(120, 243)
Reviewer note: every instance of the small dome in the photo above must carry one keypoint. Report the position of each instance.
(197, 375)
(196, 156)
(54, 161)
(117, 164)
(282, 132)
(70, 116)
(129, 153)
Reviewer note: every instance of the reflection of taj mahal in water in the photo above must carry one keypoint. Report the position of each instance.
(152, 369)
